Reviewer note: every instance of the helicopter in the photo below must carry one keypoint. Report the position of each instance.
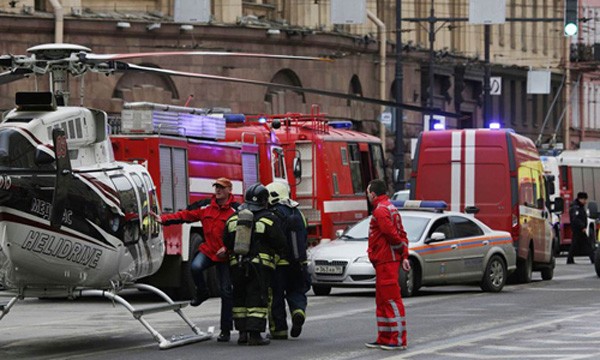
(73, 221)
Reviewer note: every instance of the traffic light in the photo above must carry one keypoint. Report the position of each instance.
(571, 27)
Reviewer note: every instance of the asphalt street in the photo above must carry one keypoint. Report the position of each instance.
(558, 319)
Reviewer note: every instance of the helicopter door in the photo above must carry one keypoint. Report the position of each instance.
(144, 209)
(130, 229)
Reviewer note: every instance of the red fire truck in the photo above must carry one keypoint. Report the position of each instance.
(496, 175)
(328, 166)
(180, 149)
(579, 170)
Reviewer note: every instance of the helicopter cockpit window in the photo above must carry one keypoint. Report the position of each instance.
(18, 152)
(19, 119)
(152, 205)
(143, 193)
(129, 205)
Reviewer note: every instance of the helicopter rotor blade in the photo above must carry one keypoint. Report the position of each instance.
(109, 57)
(13, 75)
(123, 67)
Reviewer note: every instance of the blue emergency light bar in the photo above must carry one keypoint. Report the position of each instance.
(235, 118)
(340, 124)
(420, 204)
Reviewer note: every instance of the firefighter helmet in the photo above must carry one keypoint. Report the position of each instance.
(256, 197)
(278, 191)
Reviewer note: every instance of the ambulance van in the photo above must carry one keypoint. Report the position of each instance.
(497, 176)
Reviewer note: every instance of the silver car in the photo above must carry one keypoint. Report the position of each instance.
(444, 248)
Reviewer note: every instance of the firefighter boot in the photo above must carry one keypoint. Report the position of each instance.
(255, 339)
(243, 338)
(297, 322)
(199, 297)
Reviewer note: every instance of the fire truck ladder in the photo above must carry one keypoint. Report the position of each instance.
(139, 312)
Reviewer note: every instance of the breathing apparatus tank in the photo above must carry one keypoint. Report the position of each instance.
(243, 232)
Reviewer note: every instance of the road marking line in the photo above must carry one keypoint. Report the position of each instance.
(511, 330)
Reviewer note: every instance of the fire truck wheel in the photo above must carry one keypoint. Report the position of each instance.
(597, 262)
(410, 281)
(524, 268)
(495, 274)
(321, 290)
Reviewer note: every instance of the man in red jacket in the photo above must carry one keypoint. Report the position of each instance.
(388, 248)
(213, 214)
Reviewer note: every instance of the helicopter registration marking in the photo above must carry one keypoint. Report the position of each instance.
(44, 208)
(62, 248)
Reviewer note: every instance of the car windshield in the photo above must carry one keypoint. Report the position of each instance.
(413, 225)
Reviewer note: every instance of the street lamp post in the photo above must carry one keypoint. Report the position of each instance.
(398, 173)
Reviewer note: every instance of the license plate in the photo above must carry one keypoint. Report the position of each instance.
(329, 269)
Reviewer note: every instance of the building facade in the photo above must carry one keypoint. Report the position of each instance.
(304, 28)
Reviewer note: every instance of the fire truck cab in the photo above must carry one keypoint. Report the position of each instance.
(328, 167)
(179, 147)
(497, 176)
(579, 171)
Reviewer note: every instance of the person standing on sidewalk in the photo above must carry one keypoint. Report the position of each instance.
(580, 243)
(213, 213)
(388, 249)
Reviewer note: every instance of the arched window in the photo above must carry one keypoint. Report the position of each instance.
(133, 80)
(282, 101)
(355, 88)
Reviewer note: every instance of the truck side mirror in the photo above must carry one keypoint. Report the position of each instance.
(471, 209)
(558, 205)
(297, 168)
(593, 210)
(550, 184)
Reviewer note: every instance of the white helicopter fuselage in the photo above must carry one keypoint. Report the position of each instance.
(106, 238)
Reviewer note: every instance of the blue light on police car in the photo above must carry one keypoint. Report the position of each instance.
(420, 204)
(494, 125)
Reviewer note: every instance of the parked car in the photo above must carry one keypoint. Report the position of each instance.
(401, 195)
(444, 248)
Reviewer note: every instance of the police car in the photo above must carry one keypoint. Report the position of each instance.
(444, 248)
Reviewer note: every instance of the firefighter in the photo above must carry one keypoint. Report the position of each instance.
(253, 238)
(388, 248)
(580, 243)
(290, 280)
(213, 213)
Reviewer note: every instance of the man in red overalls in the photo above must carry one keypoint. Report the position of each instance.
(388, 247)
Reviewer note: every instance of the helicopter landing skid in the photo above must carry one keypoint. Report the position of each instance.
(137, 313)
(6, 305)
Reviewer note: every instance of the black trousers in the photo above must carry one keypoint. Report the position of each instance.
(289, 283)
(250, 296)
(580, 245)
